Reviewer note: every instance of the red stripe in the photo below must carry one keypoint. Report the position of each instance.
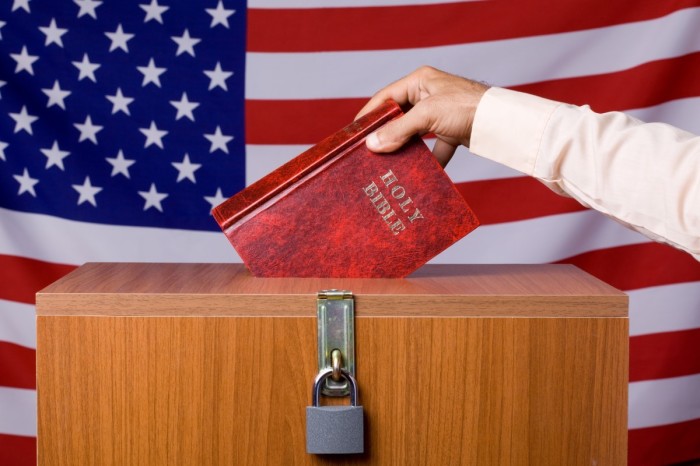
(17, 366)
(512, 199)
(401, 27)
(16, 450)
(645, 85)
(638, 266)
(297, 121)
(663, 355)
(309, 121)
(669, 444)
(21, 278)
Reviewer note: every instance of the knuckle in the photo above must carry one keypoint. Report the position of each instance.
(423, 115)
(426, 70)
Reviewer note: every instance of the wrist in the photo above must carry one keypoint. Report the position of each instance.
(476, 93)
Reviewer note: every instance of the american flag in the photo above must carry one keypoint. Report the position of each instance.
(123, 123)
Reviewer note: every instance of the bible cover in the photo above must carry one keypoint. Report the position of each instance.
(339, 210)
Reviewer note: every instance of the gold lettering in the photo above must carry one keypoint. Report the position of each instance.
(416, 215)
(404, 204)
(389, 178)
(383, 208)
(372, 189)
(397, 227)
(398, 192)
(381, 203)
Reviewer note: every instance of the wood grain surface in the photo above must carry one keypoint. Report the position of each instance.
(232, 390)
(229, 289)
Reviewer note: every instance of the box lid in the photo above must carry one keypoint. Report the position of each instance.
(146, 289)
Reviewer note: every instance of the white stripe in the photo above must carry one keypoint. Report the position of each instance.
(681, 113)
(504, 63)
(464, 166)
(543, 239)
(262, 159)
(299, 4)
(72, 242)
(17, 411)
(665, 308)
(664, 401)
(17, 324)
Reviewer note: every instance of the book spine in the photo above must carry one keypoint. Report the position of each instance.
(308, 163)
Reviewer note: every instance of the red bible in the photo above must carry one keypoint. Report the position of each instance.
(339, 210)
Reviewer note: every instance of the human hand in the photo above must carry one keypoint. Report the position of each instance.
(441, 103)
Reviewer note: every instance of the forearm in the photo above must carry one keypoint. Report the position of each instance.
(645, 175)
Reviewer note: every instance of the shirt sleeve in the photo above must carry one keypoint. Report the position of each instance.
(645, 175)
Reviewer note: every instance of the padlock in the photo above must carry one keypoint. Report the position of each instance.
(334, 429)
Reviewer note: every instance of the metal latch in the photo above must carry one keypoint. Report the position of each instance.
(336, 338)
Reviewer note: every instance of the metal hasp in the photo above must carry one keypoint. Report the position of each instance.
(336, 330)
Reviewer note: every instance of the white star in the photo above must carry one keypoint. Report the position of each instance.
(218, 77)
(120, 102)
(3, 146)
(53, 33)
(26, 183)
(119, 39)
(56, 95)
(153, 198)
(219, 15)
(2, 83)
(2, 25)
(87, 7)
(88, 130)
(24, 61)
(24, 4)
(55, 156)
(87, 192)
(185, 43)
(153, 135)
(215, 200)
(186, 169)
(120, 165)
(23, 120)
(218, 140)
(154, 11)
(151, 73)
(184, 107)
(87, 69)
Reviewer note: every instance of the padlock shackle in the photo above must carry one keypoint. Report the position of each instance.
(320, 380)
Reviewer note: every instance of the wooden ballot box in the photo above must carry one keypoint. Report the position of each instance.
(204, 364)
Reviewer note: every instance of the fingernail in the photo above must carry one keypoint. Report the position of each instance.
(373, 141)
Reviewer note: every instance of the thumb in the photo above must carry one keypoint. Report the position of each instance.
(396, 133)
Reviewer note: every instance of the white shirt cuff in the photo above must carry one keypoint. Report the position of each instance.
(508, 127)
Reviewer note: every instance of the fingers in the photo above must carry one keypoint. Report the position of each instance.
(395, 91)
(376, 100)
(399, 91)
(396, 133)
(443, 151)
